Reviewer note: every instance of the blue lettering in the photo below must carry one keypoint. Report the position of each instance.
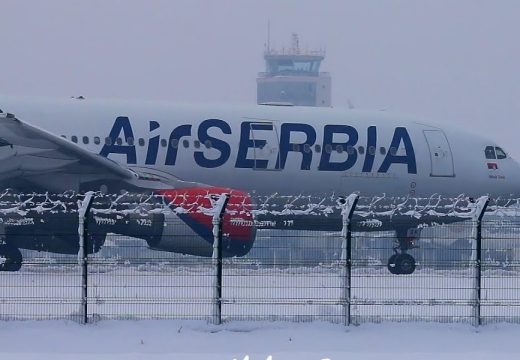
(247, 143)
(252, 136)
(153, 145)
(220, 145)
(329, 146)
(370, 150)
(121, 124)
(286, 145)
(400, 135)
(173, 143)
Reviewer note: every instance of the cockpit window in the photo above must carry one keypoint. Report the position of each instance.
(490, 152)
(501, 154)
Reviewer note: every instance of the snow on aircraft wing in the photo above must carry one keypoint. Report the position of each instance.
(26, 150)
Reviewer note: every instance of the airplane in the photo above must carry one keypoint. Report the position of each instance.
(114, 146)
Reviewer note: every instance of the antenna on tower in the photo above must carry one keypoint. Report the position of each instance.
(268, 35)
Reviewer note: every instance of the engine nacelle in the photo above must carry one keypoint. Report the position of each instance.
(188, 229)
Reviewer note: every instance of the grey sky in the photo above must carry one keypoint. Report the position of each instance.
(450, 61)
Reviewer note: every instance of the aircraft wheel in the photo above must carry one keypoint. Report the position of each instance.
(392, 264)
(10, 258)
(405, 264)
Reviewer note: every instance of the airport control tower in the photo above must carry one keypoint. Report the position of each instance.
(293, 76)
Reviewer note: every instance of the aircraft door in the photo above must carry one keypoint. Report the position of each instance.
(440, 153)
(266, 145)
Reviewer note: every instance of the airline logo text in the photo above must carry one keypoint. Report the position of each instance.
(262, 146)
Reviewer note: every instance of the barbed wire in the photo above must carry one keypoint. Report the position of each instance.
(325, 205)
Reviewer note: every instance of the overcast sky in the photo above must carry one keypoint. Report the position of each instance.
(453, 61)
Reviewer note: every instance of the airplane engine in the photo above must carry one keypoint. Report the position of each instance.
(188, 229)
(181, 221)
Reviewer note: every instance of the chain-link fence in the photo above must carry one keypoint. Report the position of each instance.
(210, 257)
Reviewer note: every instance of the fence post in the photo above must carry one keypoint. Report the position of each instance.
(348, 206)
(83, 210)
(480, 209)
(218, 216)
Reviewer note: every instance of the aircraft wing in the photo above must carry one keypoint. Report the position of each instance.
(33, 154)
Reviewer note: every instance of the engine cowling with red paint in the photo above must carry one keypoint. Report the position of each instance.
(188, 228)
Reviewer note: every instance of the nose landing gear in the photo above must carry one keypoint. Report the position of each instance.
(402, 263)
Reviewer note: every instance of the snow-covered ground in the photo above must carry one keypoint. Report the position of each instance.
(189, 340)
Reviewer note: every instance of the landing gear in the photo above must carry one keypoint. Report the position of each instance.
(10, 258)
(402, 263)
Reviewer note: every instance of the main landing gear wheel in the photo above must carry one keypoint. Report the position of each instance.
(406, 264)
(401, 264)
(10, 258)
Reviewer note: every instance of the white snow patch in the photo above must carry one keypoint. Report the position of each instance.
(258, 340)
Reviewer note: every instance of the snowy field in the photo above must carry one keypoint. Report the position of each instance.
(190, 340)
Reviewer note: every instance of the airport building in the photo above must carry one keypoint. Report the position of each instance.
(292, 76)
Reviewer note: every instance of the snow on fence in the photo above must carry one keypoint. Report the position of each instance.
(314, 258)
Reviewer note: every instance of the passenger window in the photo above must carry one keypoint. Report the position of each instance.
(97, 140)
(108, 141)
(317, 148)
(208, 144)
(501, 154)
(393, 151)
(382, 150)
(296, 147)
(306, 148)
(339, 148)
(119, 141)
(196, 143)
(85, 140)
(361, 150)
(130, 141)
(490, 152)
(174, 143)
(372, 150)
(328, 148)
(74, 138)
(164, 143)
(350, 150)
(141, 142)
(186, 143)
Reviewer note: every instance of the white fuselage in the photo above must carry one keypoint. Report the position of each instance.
(279, 149)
